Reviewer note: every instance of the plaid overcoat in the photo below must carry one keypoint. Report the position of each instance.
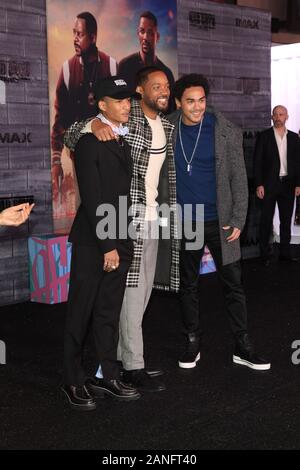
(140, 140)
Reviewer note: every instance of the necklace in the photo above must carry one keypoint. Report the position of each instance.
(189, 162)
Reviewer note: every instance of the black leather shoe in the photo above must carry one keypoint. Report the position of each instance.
(139, 379)
(150, 372)
(79, 397)
(113, 388)
(154, 372)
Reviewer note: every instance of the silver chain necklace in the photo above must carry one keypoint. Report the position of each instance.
(189, 162)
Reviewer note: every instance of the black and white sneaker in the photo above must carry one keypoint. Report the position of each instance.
(189, 360)
(249, 359)
(244, 354)
(191, 355)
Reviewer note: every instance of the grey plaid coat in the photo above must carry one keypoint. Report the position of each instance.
(140, 140)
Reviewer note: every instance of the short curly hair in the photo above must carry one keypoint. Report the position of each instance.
(188, 81)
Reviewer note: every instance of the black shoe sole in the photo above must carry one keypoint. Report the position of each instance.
(102, 393)
(151, 390)
(150, 373)
(142, 389)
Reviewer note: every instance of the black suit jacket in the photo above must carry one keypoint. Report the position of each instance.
(267, 161)
(103, 171)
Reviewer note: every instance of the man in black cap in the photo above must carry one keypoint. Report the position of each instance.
(100, 257)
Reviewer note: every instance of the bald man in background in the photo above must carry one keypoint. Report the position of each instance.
(277, 179)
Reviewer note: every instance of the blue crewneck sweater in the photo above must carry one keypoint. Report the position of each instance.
(200, 186)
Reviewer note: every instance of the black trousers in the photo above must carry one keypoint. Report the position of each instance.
(284, 195)
(229, 275)
(96, 296)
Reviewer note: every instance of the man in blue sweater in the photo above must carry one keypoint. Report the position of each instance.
(210, 173)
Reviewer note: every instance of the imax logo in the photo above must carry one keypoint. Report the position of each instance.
(247, 23)
(14, 137)
(2, 353)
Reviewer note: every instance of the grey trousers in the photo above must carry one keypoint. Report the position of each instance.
(131, 346)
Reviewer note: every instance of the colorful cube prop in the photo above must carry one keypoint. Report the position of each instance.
(50, 262)
(207, 264)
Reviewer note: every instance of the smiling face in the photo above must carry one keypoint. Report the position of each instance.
(115, 110)
(82, 39)
(155, 93)
(193, 105)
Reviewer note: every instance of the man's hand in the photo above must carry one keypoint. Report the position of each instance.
(297, 191)
(15, 215)
(260, 192)
(111, 261)
(102, 131)
(235, 235)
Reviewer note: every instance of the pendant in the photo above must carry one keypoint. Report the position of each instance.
(189, 169)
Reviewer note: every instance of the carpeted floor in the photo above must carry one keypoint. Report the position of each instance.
(215, 406)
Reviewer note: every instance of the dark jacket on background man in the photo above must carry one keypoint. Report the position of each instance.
(267, 161)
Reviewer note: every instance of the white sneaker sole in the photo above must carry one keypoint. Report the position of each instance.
(243, 362)
(189, 365)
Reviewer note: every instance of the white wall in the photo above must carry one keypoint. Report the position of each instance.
(285, 80)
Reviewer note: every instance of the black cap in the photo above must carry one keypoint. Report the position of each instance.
(113, 87)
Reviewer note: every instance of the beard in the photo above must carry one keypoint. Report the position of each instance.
(155, 105)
